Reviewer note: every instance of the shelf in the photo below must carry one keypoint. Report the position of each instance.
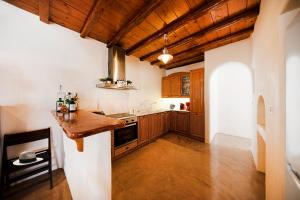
(115, 87)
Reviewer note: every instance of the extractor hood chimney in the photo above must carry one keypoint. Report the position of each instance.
(116, 63)
(116, 71)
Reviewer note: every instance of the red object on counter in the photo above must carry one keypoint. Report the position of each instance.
(182, 106)
(187, 106)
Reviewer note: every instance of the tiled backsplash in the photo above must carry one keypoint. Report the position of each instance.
(176, 101)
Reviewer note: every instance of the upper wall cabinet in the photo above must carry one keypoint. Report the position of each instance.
(176, 85)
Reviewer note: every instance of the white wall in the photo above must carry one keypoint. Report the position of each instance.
(213, 107)
(229, 109)
(36, 57)
(269, 67)
(292, 103)
(147, 79)
(234, 94)
(79, 167)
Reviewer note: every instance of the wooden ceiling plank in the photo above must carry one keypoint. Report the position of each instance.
(214, 27)
(44, 11)
(93, 17)
(181, 21)
(139, 17)
(206, 46)
(25, 6)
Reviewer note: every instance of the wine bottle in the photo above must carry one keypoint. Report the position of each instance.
(59, 104)
(72, 105)
(60, 97)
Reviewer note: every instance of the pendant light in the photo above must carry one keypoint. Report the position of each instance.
(165, 57)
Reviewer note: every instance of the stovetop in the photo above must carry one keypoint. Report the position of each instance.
(121, 115)
(126, 117)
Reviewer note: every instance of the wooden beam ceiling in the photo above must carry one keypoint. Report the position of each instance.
(214, 27)
(94, 16)
(179, 22)
(139, 17)
(193, 26)
(44, 10)
(207, 46)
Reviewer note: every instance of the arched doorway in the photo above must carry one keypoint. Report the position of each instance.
(230, 101)
(261, 134)
(261, 112)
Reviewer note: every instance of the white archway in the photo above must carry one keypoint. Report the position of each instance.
(230, 100)
(261, 134)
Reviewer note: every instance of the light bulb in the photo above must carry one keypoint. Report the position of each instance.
(165, 57)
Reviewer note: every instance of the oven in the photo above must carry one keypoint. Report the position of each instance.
(125, 135)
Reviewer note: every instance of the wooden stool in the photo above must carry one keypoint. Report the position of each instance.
(8, 168)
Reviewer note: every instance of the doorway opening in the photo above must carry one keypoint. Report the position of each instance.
(230, 101)
(261, 135)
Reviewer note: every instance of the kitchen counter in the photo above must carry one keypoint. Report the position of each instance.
(87, 167)
(80, 124)
(84, 123)
(149, 112)
(90, 167)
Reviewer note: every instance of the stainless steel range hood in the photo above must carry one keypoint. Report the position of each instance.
(116, 70)
(116, 63)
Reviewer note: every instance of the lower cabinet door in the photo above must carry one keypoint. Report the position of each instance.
(165, 120)
(153, 126)
(143, 129)
(183, 122)
(197, 124)
(173, 118)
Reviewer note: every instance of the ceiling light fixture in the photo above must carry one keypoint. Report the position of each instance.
(165, 57)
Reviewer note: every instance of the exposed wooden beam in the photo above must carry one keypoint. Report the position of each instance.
(215, 27)
(139, 17)
(179, 22)
(44, 13)
(184, 62)
(94, 16)
(204, 47)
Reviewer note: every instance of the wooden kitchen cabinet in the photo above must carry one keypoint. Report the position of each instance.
(197, 91)
(173, 116)
(152, 127)
(166, 89)
(183, 122)
(197, 115)
(156, 125)
(143, 129)
(165, 120)
(197, 125)
(176, 85)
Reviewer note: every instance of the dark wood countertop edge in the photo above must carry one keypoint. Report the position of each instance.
(79, 135)
(92, 132)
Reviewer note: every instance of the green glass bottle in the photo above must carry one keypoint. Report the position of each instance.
(72, 105)
(59, 104)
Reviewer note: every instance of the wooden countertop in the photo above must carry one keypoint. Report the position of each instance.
(80, 124)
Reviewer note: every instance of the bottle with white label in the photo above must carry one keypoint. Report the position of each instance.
(59, 104)
(60, 97)
(72, 105)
